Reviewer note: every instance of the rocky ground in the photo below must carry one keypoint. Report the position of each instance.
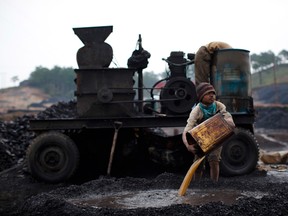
(262, 192)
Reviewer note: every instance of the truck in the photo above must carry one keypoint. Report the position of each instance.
(116, 129)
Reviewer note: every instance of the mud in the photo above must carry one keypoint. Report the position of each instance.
(162, 198)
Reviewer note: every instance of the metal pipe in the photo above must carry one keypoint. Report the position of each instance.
(117, 126)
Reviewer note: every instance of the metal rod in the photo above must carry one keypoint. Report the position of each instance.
(117, 127)
(140, 90)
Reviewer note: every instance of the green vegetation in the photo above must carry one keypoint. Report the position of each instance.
(273, 75)
(269, 68)
(265, 59)
(57, 82)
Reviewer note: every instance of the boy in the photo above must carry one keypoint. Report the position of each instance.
(206, 108)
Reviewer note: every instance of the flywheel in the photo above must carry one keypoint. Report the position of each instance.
(178, 95)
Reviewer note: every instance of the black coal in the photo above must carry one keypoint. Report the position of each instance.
(15, 135)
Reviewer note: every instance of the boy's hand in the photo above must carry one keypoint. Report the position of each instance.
(191, 148)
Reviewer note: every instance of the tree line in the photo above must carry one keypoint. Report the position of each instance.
(267, 59)
(61, 82)
(57, 82)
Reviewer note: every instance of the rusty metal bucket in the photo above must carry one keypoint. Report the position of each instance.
(211, 133)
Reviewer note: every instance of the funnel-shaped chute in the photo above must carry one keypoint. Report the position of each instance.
(95, 53)
(90, 35)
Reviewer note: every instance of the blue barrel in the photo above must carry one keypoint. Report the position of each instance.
(231, 77)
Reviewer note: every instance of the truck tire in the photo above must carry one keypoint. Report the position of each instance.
(240, 154)
(52, 157)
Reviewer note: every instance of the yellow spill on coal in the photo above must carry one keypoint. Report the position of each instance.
(189, 176)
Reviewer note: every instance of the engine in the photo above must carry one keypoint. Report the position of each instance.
(110, 92)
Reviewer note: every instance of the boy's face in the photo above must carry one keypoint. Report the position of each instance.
(209, 98)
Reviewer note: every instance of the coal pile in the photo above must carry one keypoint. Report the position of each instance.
(273, 94)
(272, 117)
(15, 135)
(58, 202)
(61, 110)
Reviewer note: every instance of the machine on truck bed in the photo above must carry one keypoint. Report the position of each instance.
(116, 127)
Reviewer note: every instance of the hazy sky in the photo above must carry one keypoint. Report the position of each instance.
(39, 32)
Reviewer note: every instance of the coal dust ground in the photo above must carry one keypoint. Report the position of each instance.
(262, 192)
(259, 193)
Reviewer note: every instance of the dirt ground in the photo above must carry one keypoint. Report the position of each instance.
(20, 98)
(263, 192)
